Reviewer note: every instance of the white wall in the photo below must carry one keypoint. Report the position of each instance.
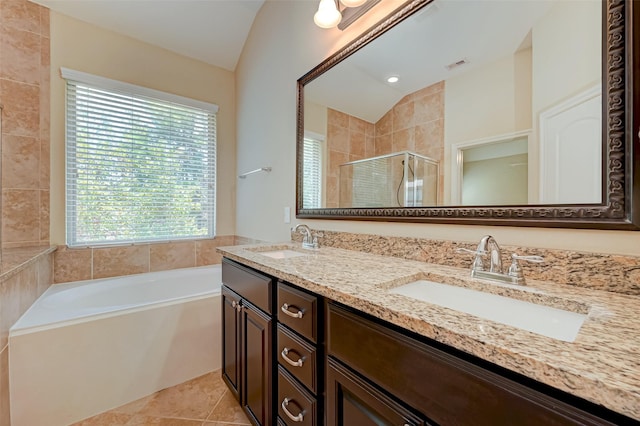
(283, 45)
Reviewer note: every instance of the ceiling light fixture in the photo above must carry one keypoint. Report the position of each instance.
(393, 79)
(352, 3)
(329, 14)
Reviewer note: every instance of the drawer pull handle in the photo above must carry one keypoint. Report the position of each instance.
(236, 305)
(298, 418)
(297, 363)
(285, 309)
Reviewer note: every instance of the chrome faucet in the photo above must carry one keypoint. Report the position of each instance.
(489, 245)
(493, 270)
(308, 241)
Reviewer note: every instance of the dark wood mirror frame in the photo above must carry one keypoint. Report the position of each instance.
(621, 146)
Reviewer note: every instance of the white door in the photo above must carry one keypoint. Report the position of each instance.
(571, 151)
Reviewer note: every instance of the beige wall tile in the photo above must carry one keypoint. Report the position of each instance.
(21, 114)
(332, 191)
(357, 125)
(335, 159)
(44, 21)
(403, 140)
(428, 108)
(115, 261)
(27, 287)
(358, 144)
(206, 253)
(45, 273)
(384, 144)
(21, 15)
(403, 116)
(72, 264)
(20, 158)
(429, 139)
(370, 146)
(20, 215)
(44, 216)
(384, 126)
(45, 160)
(337, 137)
(5, 417)
(9, 306)
(338, 118)
(172, 256)
(21, 56)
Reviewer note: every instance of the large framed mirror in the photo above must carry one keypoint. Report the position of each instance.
(495, 112)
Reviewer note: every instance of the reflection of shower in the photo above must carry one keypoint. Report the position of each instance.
(402, 179)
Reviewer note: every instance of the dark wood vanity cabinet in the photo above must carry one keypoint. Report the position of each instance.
(386, 377)
(247, 335)
(293, 358)
(300, 353)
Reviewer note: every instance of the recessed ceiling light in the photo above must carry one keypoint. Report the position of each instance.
(393, 79)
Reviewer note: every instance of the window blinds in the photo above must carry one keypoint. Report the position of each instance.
(312, 173)
(139, 168)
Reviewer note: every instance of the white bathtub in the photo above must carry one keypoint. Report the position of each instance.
(90, 346)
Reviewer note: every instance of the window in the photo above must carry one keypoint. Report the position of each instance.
(312, 173)
(140, 164)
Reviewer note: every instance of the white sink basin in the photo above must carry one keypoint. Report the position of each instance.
(282, 254)
(545, 320)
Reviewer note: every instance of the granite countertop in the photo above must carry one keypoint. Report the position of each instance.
(602, 365)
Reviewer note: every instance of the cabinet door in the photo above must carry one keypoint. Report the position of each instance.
(231, 339)
(257, 359)
(352, 401)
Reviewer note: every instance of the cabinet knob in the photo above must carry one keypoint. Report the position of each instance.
(285, 353)
(236, 305)
(285, 404)
(285, 309)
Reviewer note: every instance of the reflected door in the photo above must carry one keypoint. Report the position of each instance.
(571, 152)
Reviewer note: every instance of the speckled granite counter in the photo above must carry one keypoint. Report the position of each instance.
(602, 365)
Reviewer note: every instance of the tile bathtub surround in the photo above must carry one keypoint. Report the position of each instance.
(601, 365)
(26, 274)
(24, 93)
(616, 273)
(204, 401)
(91, 263)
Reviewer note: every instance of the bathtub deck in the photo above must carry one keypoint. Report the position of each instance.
(202, 401)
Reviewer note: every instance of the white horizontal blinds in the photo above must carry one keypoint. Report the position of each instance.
(139, 169)
(312, 173)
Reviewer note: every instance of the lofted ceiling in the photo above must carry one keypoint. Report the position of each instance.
(212, 31)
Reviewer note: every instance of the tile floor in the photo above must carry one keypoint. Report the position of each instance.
(203, 401)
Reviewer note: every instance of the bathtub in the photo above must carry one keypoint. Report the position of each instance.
(89, 346)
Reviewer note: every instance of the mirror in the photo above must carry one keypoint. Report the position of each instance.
(497, 117)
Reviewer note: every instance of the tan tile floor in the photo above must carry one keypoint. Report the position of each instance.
(203, 401)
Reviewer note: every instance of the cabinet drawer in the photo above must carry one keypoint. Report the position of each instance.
(295, 405)
(353, 401)
(298, 310)
(298, 357)
(249, 284)
(444, 388)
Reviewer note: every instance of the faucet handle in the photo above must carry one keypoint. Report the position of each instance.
(478, 264)
(515, 270)
(466, 250)
(533, 259)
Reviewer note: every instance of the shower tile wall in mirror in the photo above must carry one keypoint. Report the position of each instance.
(503, 97)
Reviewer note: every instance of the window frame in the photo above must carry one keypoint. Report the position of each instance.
(135, 91)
